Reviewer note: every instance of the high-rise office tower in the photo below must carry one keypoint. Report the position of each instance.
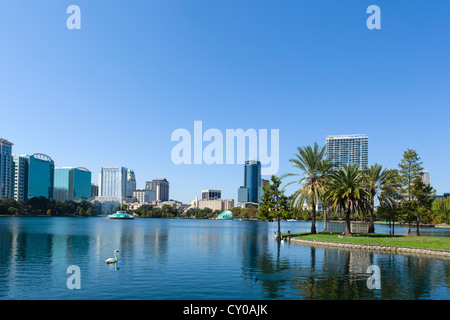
(72, 184)
(348, 149)
(112, 183)
(253, 180)
(131, 183)
(33, 176)
(251, 191)
(6, 169)
(160, 186)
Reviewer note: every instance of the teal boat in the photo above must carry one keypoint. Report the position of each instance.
(120, 215)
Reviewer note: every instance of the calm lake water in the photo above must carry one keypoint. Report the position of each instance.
(181, 259)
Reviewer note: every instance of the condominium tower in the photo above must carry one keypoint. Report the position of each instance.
(6, 169)
(112, 184)
(348, 149)
(20, 174)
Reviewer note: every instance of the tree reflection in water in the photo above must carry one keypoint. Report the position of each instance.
(338, 274)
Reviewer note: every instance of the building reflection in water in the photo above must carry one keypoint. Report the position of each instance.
(35, 252)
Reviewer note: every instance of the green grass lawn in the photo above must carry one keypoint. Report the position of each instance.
(439, 243)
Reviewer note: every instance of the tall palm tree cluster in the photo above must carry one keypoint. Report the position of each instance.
(352, 189)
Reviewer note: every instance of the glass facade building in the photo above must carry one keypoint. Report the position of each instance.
(348, 149)
(242, 194)
(253, 180)
(6, 169)
(72, 184)
(40, 178)
(252, 190)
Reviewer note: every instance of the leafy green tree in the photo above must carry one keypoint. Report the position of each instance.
(252, 212)
(169, 210)
(423, 198)
(39, 204)
(144, 210)
(236, 211)
(309, 161)
(441, 210)
(274, 203)
(348, 188)
(410, 170)
(81, 211)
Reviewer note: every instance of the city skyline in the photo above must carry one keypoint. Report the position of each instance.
(127, 176)
(115, 98)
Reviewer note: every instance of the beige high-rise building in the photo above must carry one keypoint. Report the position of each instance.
(160, 186)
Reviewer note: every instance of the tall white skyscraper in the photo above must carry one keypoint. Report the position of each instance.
(426, 178)
(6, 169)
(20, 188)
(348, 149)
(112, 183)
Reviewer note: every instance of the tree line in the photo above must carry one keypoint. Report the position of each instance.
(168, 211)
(41, 206)
(367, 193)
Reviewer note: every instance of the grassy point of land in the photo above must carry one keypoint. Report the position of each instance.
(437, 243)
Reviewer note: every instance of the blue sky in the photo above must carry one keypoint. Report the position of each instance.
(112, 93)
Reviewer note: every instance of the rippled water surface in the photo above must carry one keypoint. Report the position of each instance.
(200, 259)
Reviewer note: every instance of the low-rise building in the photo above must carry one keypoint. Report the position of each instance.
(144, 196)
(217, 204)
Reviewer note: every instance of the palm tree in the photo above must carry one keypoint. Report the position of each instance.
(309, 161)
(381, 185)
(325, 168)
(347, 188)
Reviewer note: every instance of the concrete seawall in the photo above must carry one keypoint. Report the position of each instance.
(381, 248)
